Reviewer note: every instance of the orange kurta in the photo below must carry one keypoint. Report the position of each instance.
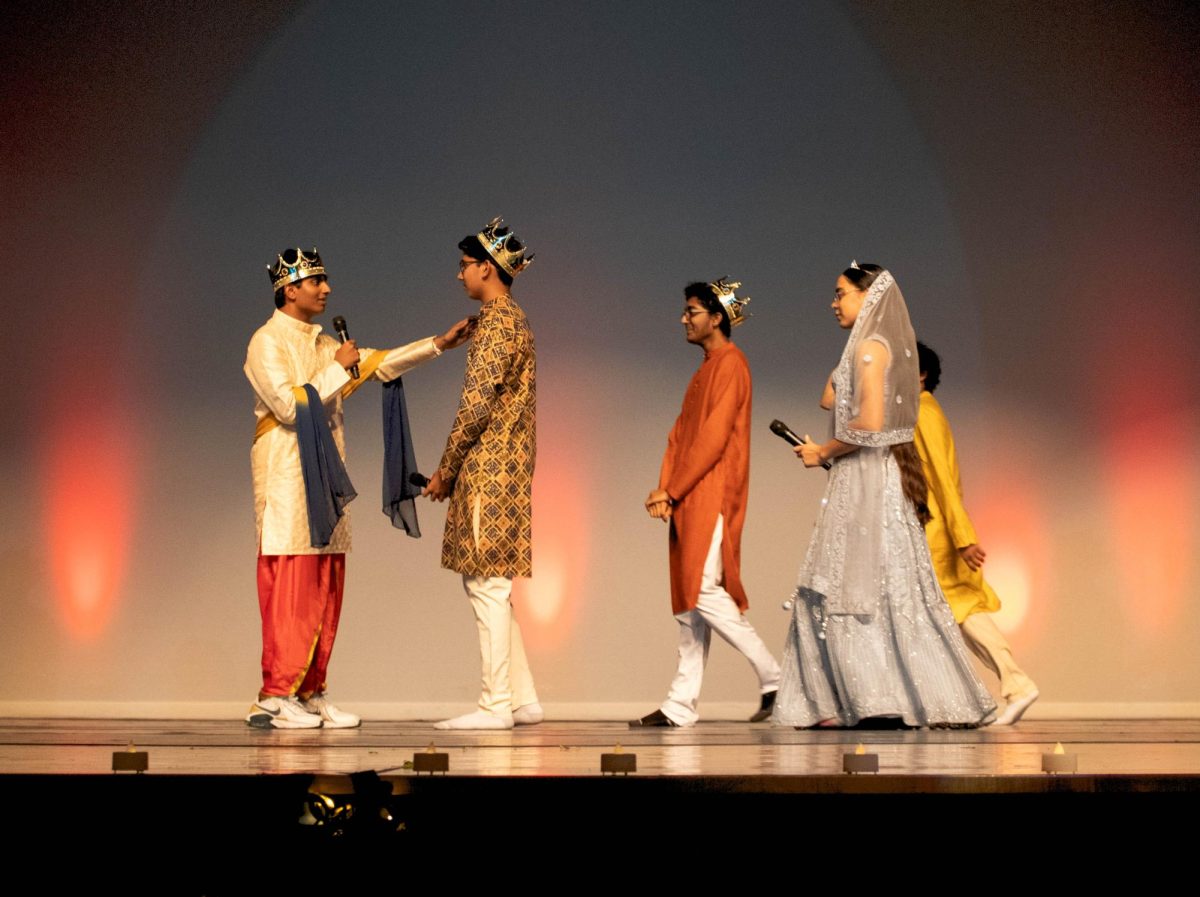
(706, 469)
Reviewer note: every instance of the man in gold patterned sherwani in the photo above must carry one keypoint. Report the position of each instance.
(487, 473)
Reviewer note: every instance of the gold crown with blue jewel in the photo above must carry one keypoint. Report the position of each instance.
(293, 265)
(504, 248)
(734, 305)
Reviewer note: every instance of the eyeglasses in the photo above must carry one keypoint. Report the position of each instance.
(462, 265)
(839, 295)
(690, 313)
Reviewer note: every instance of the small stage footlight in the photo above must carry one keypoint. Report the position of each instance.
(1059, 760)
(431, 761)
(618, 762)
(130, 760)
(860, 761)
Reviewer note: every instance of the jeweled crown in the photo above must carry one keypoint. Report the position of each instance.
(735, 306)
(293, 265)
(503, 246)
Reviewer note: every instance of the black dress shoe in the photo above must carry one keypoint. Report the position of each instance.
(657, 718)
(765, 708)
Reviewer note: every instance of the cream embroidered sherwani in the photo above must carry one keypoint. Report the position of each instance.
(299, 586)
(285, 353)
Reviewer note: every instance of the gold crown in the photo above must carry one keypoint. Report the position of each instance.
(503, 246)
(735, 308)
(293, 265)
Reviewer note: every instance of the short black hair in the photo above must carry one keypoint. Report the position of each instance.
(281, 298)
(930, 365)
(704, 294)
(471, 246)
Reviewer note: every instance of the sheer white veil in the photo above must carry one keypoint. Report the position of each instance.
(875, 405)
(883, 318)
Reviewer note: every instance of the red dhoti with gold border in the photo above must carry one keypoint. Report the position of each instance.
(300, 598)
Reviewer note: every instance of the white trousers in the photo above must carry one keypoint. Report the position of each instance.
(506, 682)
(715, 611)
(983, 637)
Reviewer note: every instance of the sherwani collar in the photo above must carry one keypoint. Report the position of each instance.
(495, 302)
(295, 325)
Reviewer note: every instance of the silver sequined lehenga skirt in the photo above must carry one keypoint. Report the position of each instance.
(904, 660)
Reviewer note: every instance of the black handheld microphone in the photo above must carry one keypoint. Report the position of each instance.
(418, 479)
(339, 324)
(784, 432)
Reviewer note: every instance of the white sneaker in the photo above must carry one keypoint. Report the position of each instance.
(278, 712)
(333, 717)
(1016, 709)
(528, 715)
(480, 719)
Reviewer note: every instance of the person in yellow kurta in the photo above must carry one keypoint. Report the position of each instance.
(487, 473)
(702, 492)
(957, 556)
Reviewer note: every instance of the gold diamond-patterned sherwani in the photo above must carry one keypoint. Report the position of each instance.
(490, 453)
(489, 463)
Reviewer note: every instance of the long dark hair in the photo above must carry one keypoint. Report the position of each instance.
(912, 479)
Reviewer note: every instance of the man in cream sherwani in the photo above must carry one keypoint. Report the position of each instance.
(300, 583)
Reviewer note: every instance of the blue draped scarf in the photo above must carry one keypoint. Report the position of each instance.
(399, 461)
(327, 486)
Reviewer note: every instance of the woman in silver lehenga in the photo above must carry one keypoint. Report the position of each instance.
(872, 637)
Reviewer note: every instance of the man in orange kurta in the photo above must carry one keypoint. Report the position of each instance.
(702, 493)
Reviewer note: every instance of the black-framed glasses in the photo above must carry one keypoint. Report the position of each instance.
(463, 263)
(690, 313)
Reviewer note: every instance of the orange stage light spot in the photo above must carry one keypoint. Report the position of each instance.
(548, 604)
(544, 594)
(1147, 462)
(1153, 532)
(88, 487)
(1009, 518)
(1008, 573)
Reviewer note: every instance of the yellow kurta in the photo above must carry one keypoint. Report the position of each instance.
(950, 529)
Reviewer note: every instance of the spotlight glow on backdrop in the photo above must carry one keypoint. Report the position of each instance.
(89, 485)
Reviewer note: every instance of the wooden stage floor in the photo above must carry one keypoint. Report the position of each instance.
(220, 797)
(48, 747)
